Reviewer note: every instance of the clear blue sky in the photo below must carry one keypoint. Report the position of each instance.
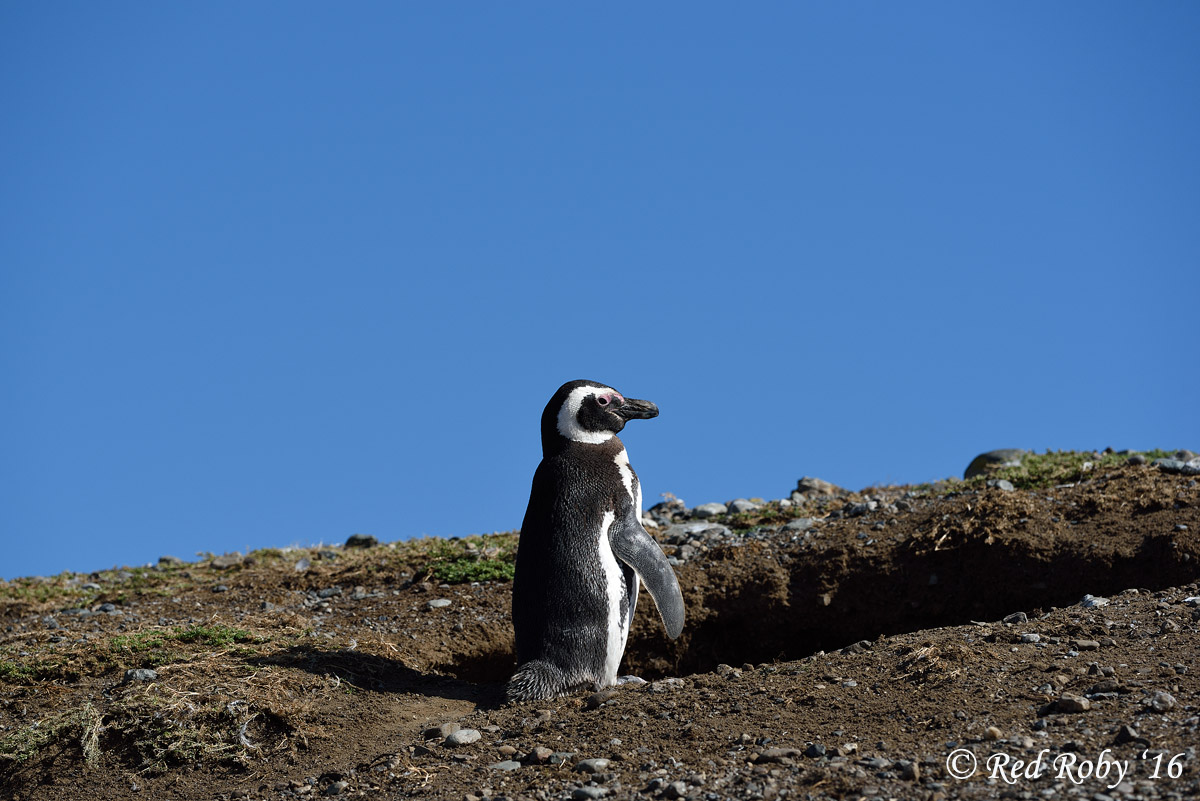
(275, 273)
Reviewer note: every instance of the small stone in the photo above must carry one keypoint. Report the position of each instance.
(1092, 601)
(163, 561)
(1136, 458)
(227, 561)
(1002, 484)
(337, 788)
(538, 756)
(1128, 734)
(676, 790)
(1016, 617)
(909, 771)
(302, 565)
(220, 588)
(1072, 703)
(1031, 637)
(783, 756)
(743, 505)
(1086, 645)
(707, 510)
(508, 764)
(463, 737)
(591, 765)
(141, 674)
(809, 487)
(440, 732)
(985, 463)
(992, 733)
(1162, 702)
(437, 603)
(361, 541)
(584, 793)
(814, 751)
(798, 524)
(597, 698)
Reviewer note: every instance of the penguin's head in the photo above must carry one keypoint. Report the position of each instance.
(589, 412)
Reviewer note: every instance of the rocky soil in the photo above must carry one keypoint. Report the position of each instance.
(1033, 639)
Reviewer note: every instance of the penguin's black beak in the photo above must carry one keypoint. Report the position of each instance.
(634, 409)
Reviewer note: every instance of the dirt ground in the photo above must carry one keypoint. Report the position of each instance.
(938, 645)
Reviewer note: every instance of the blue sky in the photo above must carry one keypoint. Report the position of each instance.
(276, 273)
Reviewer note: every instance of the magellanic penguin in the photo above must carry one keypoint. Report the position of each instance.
(583, 548)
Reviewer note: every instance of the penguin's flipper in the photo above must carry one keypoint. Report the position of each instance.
(633, 546)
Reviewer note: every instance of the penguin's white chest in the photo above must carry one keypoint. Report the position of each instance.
(614, 590)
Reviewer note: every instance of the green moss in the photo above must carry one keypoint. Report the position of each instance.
(490, 557)
(1049, 469)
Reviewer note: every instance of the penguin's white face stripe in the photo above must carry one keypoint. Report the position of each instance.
(568, 417)
(614, 586)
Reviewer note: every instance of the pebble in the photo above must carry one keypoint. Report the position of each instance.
(1092, 601)
(1179, 467)
(1162, 702)
(597, 698)
(582, 793)
(361, 541)
(1016, 617)
(798, 524)
(1002, 484)
(141, 674)
(1137, 458)
(992, 733)
(1086, 645)
(1031, 637)
(1072, 703)
(707, 510)
(808, 487)
(743, 505)
(440, 732)
(1128, 734)
(591, 765)
(508, 764)
(337, 788)
(227, 561)
(463, 737)
(437, 603)
(814, 751)
(676, 790)
(539, 755)
(987, 462)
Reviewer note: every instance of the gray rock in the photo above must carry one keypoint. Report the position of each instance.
(1002, 484)
(814, 751)
(107, 609)
(809, 487)
(463, 737)
(985, 463)
(302, 565)
(1136, 458)
(1185, 455)
(508, 764)
(1031, 637)
(329, 592)
(1177, 466)
(707, 510)
(437, 603)
(141, 674)
(583, 793)
(591, 765)
(227, 561)
(361, 541)
(743, 505)
(539, 755)
(599, 697)
(798, 524)
(1128, 734)
(337, 788)
(167, 561)
(1072, 703)
(1086, 645)
(675, 790)
(1092, 601)
(440, 732)
(1016, 617)
(1162, 702)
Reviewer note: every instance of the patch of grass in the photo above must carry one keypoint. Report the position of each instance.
(83, 725)
(1049, 469)
(489, 557)
(161, 647)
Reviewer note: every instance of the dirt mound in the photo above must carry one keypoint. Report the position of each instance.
(874, 649)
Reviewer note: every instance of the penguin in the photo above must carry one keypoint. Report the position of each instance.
(583, 550)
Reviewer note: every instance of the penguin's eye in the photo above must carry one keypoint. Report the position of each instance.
(602, 400)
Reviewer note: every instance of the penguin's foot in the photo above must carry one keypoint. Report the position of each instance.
(630, 680)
